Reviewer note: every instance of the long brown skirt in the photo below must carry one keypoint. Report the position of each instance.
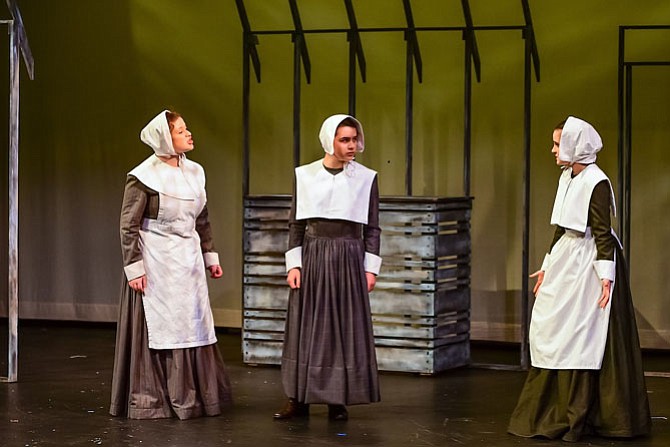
(163, 383)
(608, 402)
(329, 351)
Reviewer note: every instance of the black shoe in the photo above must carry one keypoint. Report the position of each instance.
(337, 413)
(292, 409)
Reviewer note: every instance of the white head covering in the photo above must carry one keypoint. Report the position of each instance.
(329, 129)
(157, 135)
(580, 142)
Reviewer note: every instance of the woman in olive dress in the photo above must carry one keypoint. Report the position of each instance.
(586, 375)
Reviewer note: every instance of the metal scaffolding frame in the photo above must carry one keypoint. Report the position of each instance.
(18, 42)
(625, 124)
(301, 62)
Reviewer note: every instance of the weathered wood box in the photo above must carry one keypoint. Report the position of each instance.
(420, 306)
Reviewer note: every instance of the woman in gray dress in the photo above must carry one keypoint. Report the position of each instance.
(586, 375)
(332, 264)
(167, 362)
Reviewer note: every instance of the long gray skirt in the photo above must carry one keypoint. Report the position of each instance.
(329, 352)
(609, 402)
(162, 383)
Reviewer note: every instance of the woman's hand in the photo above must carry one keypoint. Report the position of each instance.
(372, 280)
(293, 278)
(138, 284)
(605, 295)
(540, 278)
(215, 271)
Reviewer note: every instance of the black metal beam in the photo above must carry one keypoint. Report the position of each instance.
(621, 124)
(531, 36)
(628, 140)
(302, 45)
(355, 53)
(252, 39)
(525, 243)
(469, 30)
(412, 39)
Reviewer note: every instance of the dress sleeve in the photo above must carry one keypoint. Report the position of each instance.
(372, 232)
(296, 234)
(599, 221)
(560, 231)
(135, 198)
(204, 230)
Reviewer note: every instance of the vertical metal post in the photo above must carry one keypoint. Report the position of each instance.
(409, 113)
(297, 43)
(13, 259)
(467, 114)
(621, 122)
(526, 199)
(628, 132)
(353, 47)
(246, 90)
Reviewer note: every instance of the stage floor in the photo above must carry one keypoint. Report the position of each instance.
(65, 371)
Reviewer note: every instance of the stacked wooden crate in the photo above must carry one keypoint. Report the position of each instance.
(420, 306)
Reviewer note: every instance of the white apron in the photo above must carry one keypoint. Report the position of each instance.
(568, 330)
(176, 299)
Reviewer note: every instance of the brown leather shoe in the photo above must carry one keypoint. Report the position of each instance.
(292, 409)
(337, 413)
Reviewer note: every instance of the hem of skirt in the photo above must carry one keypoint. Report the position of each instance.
(607, 434)
(143, 413)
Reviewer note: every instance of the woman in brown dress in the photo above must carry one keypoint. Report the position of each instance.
(167, 363)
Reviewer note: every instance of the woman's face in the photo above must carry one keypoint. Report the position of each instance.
(345, 143)
(556, 137)
(182, 140)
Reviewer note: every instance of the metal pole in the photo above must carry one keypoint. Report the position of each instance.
(297, 43)
(13, 259)
(467, 114)
(353, 44)
(246, 90)
(621, 127)
(628, 131)
(526, 201)
(409, 124)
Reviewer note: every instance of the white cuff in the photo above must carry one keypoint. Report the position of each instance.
(211, 258)
(546, 262)
(134, 270)
(372, 263)
(293, 258)
(605, 269)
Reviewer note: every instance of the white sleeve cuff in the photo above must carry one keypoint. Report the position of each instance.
(134, 270)
(293, 258)
(211, 258)
(372, 263)
(605, 269)
(546, 262)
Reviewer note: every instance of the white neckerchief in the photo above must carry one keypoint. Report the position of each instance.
(346, 195)
(186, 181)
(573, 196)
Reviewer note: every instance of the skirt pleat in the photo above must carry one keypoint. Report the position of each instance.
(163, 383)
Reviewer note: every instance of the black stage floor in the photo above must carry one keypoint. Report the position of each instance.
(65, 370)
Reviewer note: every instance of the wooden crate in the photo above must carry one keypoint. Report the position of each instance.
(420, 306)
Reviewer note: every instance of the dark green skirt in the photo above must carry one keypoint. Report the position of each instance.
(608, 402)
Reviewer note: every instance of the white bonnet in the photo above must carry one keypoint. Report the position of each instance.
(580, 142)
(157, 135)
(329, 128)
